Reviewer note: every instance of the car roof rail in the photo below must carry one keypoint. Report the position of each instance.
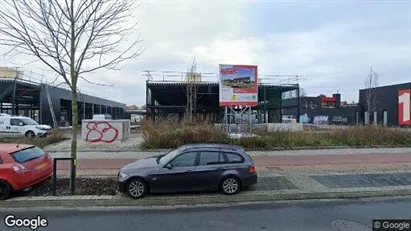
(218, 148)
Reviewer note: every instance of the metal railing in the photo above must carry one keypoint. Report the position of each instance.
(207, 77)
(72, 173)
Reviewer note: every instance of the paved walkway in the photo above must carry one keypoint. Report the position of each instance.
(317, 152)
(269, 188)
(266, 161)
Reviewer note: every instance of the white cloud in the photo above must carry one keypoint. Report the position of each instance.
(334, 57)
(329, 60)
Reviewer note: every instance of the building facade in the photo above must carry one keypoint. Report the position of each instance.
(40, 101)
(323, 110)
(388, 105)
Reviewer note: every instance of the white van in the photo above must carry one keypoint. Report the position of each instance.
(12, 126)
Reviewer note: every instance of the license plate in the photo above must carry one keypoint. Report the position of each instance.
(40, 166)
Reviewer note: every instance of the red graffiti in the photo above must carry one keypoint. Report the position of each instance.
(98, 130)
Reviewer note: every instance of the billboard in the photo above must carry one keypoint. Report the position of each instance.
(404, 110)
(238, 85)
(7, 72)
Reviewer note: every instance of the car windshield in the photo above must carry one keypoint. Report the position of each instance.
(27, 154)
(28, 121)
(169, 156)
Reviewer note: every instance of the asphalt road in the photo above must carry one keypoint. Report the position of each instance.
(309, 215)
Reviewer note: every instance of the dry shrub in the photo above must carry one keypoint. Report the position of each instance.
(55, 137)
(372, 136)
(168, 133)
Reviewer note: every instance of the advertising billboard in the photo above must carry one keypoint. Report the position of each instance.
(238, 85)
(7, 72)
(404, 107)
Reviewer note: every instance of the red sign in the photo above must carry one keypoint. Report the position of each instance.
(404, 107)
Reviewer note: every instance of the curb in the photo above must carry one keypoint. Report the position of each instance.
(115, 201)
(274, 149)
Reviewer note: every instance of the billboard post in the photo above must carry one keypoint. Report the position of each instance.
(238, 88)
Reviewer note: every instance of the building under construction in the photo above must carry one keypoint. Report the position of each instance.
(27, 96)
(175, 94)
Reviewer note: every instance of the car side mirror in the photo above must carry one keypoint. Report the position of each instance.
(21, 124)
(169, 166)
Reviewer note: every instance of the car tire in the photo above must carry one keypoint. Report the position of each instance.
(136, 188)
(230, 185)
(30, 134)
(5, 190)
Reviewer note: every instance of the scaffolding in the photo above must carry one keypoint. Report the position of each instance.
(200, 93)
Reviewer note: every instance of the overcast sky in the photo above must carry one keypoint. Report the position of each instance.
(331, 43)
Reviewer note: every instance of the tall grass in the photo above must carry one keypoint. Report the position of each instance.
(56, 137)
(166, 134)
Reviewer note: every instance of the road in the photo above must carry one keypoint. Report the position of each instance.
(308, 215)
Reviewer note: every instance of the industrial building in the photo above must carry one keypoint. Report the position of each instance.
(20, 95)
(385, 105)
(388, 105)
(172, 94)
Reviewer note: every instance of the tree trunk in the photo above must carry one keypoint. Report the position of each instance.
(74, 107)
(74, 114)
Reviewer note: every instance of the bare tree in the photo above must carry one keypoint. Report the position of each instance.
(192, 90)
(371, 83)
(72, 38)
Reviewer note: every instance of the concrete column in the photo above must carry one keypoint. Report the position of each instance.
(385, 118)
(375, 118)
(84, 110)
(366, 118)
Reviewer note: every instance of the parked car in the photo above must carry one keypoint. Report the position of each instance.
(21, 167)
(12, 126)
(194, 167)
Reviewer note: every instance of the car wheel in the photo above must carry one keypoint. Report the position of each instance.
(230, 185)
(5, 190)
(30, 134)
(136, 188)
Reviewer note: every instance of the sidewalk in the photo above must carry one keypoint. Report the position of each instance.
(262, 161)
(270, 187)
(119, 154)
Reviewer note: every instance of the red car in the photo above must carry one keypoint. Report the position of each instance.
(22, 166)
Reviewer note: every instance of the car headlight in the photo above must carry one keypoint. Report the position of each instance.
(122, 175)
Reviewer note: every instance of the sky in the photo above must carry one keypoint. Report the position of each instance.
(330, 44)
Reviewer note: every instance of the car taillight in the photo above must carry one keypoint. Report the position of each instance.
(18, 168)
(252, 169)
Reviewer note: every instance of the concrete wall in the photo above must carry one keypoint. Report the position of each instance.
(295, 127)
(338, 116)
(107, 131)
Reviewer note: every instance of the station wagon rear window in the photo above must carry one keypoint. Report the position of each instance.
(27, 154)
(233, 158)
